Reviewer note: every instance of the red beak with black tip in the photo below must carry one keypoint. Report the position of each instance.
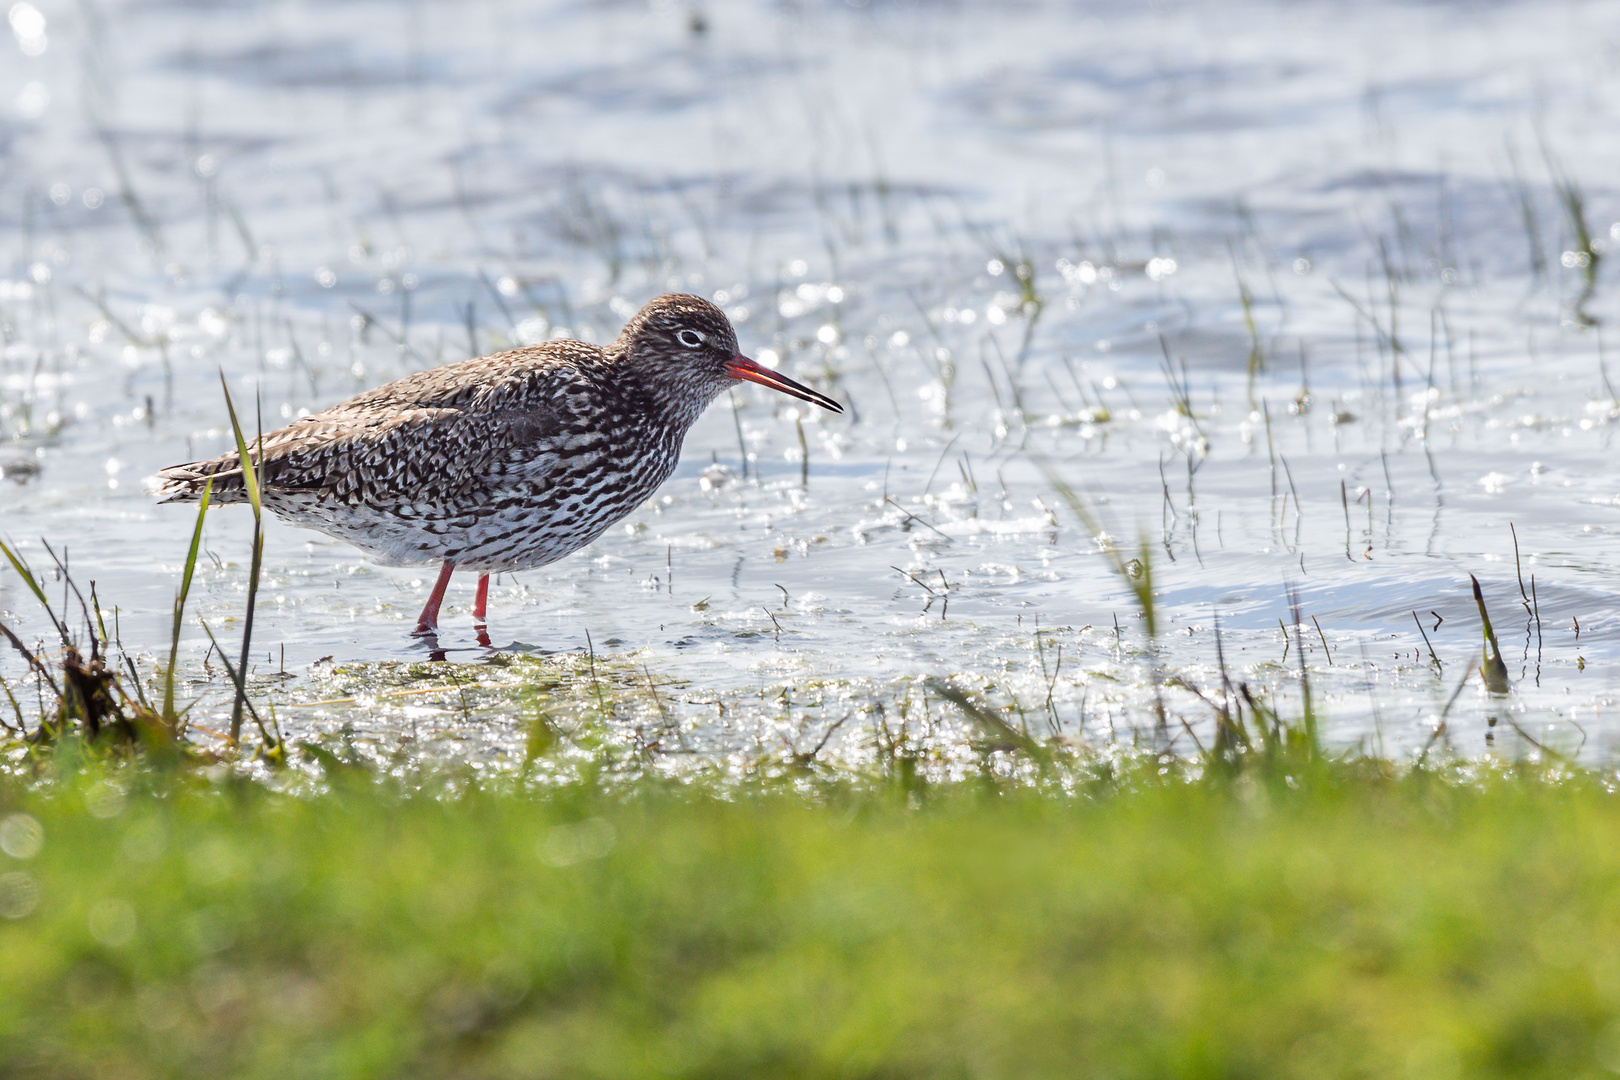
(740, 367)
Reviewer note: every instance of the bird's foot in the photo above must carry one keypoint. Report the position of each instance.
(429, 641)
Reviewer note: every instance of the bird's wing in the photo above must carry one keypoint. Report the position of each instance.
(441, 432)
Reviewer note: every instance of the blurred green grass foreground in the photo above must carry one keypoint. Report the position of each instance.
(1342, 920)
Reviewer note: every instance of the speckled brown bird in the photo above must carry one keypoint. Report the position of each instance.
(504, 462)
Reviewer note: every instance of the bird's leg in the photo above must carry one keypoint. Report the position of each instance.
(483, 599)
(428, 621)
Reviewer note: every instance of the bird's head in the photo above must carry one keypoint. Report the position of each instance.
(689, 351)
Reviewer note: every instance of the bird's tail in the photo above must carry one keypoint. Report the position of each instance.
(185, 483)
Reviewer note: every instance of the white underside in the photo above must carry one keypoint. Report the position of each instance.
(486, 541)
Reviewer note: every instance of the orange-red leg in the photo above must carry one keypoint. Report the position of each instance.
(483, 598)
(428, 621)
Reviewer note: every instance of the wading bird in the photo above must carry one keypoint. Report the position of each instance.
(499, 463)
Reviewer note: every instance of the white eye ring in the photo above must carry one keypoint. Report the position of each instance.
(690, 338)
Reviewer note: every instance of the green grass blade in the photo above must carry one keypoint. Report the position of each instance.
(1136, 574)
(250, 477)
(251, 480)
(994, 726)
(196, 539)
(34, 587)
(247, 632)
(180, 603)
(1491, 667)
(22, 724)
(238, 677)
(26, 574)
(95, 607)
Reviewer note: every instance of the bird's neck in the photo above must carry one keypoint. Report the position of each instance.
(670, 403)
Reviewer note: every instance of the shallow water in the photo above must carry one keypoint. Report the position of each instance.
(983, 227)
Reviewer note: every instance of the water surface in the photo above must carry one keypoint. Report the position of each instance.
(1294, 293)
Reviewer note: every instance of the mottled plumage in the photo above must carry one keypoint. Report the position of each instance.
(504, 462)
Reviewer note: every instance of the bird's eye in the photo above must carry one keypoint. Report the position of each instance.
(690, 338)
